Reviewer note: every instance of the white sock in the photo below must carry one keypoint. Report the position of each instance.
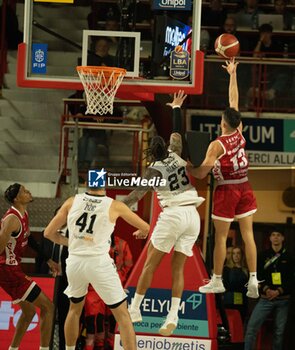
(253, 276)
(11, 348)
(175, 302)
(137, 299)
(217, 278)
(70, 347)
(44, 348)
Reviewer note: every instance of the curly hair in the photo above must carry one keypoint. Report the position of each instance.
(158, 149)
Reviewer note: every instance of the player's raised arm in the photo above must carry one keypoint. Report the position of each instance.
(233, 90)
(176, 105)
(175, 138)
(175, 144)
(214, 151)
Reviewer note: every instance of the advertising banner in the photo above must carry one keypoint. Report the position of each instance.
(179, 5)
(269, 141)
(171, 343)
(10, 313)
(193, 319)
(39, 58)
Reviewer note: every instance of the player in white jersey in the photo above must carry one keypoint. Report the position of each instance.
(90, 218)
(178, 189)
(178, 225)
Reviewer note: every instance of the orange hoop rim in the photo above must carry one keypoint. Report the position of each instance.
(105, 69)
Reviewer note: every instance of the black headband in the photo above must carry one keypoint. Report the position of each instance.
(12, 192)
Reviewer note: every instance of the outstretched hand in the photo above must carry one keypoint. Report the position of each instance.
(231, 66)
(178, 99)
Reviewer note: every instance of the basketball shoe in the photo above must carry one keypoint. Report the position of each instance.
(215, 285)
(169, 325)
(252, 289)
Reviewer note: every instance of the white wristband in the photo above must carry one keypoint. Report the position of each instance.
(176, 106)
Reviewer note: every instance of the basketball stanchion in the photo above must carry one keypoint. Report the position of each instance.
(100, 84)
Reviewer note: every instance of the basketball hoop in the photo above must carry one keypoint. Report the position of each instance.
(100, 84)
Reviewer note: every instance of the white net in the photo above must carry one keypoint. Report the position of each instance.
(100, 85)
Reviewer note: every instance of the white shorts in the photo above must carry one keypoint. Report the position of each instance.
(100, 273)
(177, 227)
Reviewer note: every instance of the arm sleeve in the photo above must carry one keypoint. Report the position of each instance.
(176, 120)
(177, 127)
(37, 248)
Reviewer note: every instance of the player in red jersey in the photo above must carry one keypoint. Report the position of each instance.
(233, 196)
(14, 232)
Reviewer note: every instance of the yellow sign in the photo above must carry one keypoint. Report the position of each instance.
(276, 278)
(59, 1)
(238, 298)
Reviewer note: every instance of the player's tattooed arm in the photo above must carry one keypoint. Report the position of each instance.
(176, 143)
(136, 195)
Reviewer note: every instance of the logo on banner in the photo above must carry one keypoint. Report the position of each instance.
(8, 313)
(39, 58)
(179, 63)
(184, 5)
(195, 299)
(151, 343)
(193, 320)
(289, 135)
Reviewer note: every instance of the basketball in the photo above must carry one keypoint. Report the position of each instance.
(178, 48)
(227, 46)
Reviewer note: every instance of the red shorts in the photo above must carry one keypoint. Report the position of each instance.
(233, 201)
(15, 282)
(94, 304)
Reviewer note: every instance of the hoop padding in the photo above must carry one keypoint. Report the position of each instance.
(100, 84)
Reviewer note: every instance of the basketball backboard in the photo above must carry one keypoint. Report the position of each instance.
(62, 34)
